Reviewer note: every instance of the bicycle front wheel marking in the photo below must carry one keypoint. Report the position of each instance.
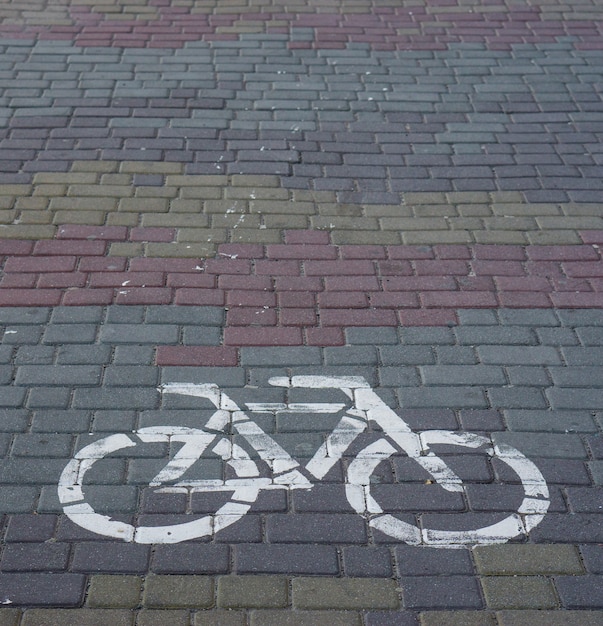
(529, 514)
(71, 494)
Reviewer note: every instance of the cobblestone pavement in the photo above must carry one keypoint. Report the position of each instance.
(276, 198)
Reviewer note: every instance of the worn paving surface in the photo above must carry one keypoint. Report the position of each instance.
(229, 193)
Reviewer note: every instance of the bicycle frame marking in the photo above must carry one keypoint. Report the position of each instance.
(287, 473)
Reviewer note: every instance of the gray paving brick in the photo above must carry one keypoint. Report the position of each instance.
(286, 559)
(48, 397)
(34, 557)
(422, 561)
(136, 333)
(550, 421)
(442, 397)
(134, 398)
(84, 354)
(371, 336)
(17, 498)
(503, 335)
(66, 333)
(21, 315)
(562, 446)
(30, 355)
(76, 315)
(516, 397)
(110, 557)
(528, 317)
(42, 445)
(571, 398)
(582, 356)
(592, 556)
(582, 592)
(518, 355)
(528, 376)
(462, 375)
(121, 375)
(315, 528)
(434, 592)
(58, 375)
(406, 355)
(35, 589)
(190, 559)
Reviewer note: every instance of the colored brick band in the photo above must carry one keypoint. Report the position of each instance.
(428, 26)
(306, 290)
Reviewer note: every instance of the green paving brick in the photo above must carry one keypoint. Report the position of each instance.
(237, 592)
(305, 618)
(178, 592)
(114, 591)
(553, 237)
(344, 593)
(182, 250)
(519, 592)
(550, 618)
(457, 618)
(157, 617)
(9, 617)
(77, 617)
(220, 617)
(527, 559)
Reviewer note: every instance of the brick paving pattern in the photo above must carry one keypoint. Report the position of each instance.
(218, 192)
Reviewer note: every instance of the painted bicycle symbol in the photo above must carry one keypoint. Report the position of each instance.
(366, 409)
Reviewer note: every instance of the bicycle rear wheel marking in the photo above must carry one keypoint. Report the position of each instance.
(72, 497)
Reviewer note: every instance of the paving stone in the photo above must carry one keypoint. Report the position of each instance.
(237, 592)
(304, 618)
(173, 592)
(110, 557)
(527, 592)
(344, 594)
(580, 592)
(548, 618)
(34, 589)
(457, 618)
(114, 591)
(435, 592)
(75, 616)
(157, 617)
(421, 561)
(286, 559)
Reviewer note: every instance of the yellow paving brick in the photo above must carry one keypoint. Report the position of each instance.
(433, 237)
(156, 192)
(122, 219)
(146, 205)
(171, 220)
(150, 167)
(216, 235)
(101, 191)
(182, 250)
(49, 190)
(256, 235)
(91, 218)
(95, 166)
(196, 180)
(83, 204)
(32, 203)
(64, 178)
(36, 217)
(27, 231)
(125, 248)
(7, 216)
(235, 220)
(285, 221)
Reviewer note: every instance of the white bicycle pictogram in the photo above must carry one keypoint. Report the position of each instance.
(394, 437)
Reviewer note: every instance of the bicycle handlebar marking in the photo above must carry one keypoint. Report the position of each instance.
(287, 473)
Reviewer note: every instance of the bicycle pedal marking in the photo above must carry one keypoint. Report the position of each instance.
(287, 473)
